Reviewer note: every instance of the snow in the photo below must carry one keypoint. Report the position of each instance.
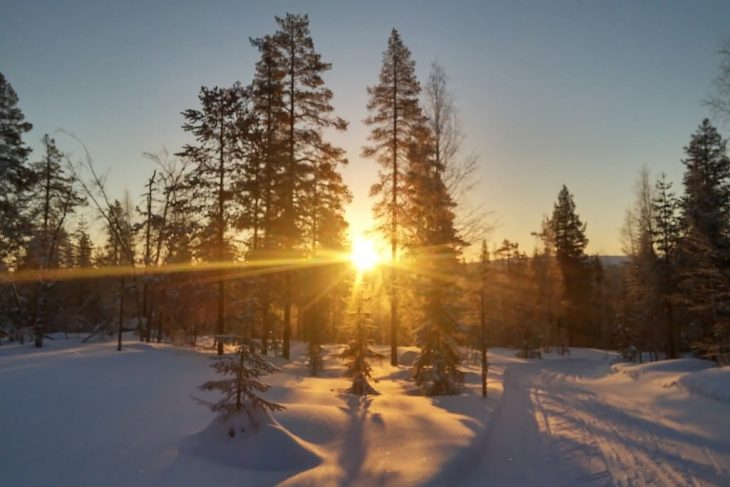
(237, 442)
(86, 414)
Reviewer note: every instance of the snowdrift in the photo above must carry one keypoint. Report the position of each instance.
(713, 383)
(700, 377)
(240, 443)
(676, 366)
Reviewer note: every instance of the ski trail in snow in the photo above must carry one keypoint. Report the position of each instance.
(517, 450)
(552, 429)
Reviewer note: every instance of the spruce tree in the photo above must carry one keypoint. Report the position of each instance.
(84, 293)
(666, 237)
(570, 243)
(395, 114)
(84, 245)
(358, 353)
(434, 247)
(242, 387)
(704, 251)
(15, 176)
(705, 289)
(706, 201)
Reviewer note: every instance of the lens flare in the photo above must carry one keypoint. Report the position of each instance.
(364, 256)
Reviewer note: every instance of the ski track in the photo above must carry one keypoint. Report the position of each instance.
(552, 429)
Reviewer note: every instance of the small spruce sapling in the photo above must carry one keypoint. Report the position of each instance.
(241, 388)
(358, 354)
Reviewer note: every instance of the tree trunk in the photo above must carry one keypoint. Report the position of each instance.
(285, 349)
(671, 344)
(483, 344)
(394, 225)
(121, 313)
(220, 331)
(221, 287)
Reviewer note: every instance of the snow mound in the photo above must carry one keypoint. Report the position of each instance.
(237, 442)
(711, 383)
(675, 366)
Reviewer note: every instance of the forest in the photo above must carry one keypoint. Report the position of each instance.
(240, 236)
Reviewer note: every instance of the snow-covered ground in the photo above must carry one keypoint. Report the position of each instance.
(74, 414)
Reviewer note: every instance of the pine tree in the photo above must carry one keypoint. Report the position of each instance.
(242, 390)
(395, 114)
(570, 243)
(307, 111)
(15, 176)
(220, 129)
(264, 174)
(54, 198)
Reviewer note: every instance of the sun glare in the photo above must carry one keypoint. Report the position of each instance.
(364, 256)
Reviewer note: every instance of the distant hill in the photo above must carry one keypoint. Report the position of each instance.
(609, 260)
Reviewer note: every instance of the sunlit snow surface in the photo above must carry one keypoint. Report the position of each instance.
(73, 414)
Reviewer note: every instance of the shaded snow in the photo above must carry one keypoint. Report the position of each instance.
(712, 383)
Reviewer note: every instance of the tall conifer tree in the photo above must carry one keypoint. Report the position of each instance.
(15, 176)
(666, 236)
(219, 127)
(395, 113)
(434, 247)
(54, 198)
(570, 243)
(704, 251)
(306, 111)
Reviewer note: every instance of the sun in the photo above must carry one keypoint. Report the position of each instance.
(364, 256)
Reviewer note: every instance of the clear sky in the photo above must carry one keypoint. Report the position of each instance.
(576, 92)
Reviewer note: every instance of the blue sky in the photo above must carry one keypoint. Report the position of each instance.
(582, 92)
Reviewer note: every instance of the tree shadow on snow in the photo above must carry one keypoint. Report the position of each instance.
(355, 448)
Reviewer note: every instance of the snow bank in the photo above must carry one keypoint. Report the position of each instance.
(264, 445)
(676, 366)
(697, 376)
(713, 383)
